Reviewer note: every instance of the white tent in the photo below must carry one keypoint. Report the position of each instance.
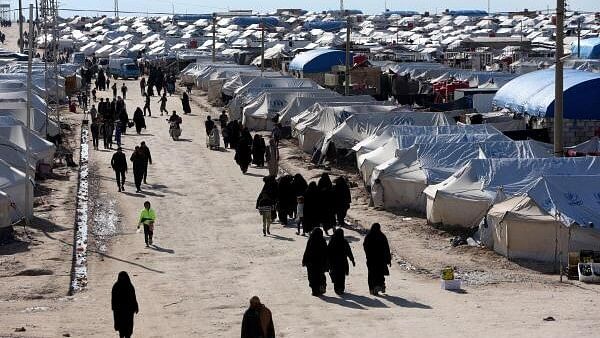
(39, 121)
(13, 184)
(358, 127)
(242, 78)
(411, 170)
(554, 217)
(302, 103)
(8, 99)
(482, 182)
(257, 114)
(310, 127)
(390, 133)
(17, 134)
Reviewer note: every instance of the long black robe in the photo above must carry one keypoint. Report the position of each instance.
(139, 120)
(243, 155)
(300, 185)
(311, 208)
(377, 251)
(326, 202)
(185, 102)
(258, 150)
(124, 305)
(338, 253)
(139, 163)
(287, 198)
(315, 261)
(342, 199)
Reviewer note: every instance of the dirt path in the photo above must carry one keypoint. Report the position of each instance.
(212, 258)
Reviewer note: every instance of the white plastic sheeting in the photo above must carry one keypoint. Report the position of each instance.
(39, 121)
(482, 182)
(258, 113)
(242, 78)
(17, 134)
(411, 170)
(13, 184)
(302, 103)
(589, 147)
(554, 216)
(357, 128)
(311, 126)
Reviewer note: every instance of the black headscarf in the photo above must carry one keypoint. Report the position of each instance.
(377, 248)
(300, 185)
(325, 182)
(338, 252)
(315, 254)
(123, 295)
(342, 193)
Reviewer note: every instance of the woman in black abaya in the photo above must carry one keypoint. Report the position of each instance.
(338, 253)
(311, 208)
(379, 258)
(124, 305)
(326, 203)
(315, 261)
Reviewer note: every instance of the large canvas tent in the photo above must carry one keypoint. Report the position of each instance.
(390, 133)
(242, 78)
(13, 184)
(552, 218)
(300, 104)
(257, 114)
(310, 128)
(405, 176)
(482, 182)
(41, 150)
(13, 113)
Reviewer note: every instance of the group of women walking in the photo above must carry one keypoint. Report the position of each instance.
(251, 150)
(317, 208)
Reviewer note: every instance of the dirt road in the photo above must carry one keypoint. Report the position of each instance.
(211, 257)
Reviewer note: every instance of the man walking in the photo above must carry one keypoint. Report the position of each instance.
(147, 219)
(114, 90)
(124, 91)
(119, 165)
(163, 104)
(257, 321)
(147, 158)
(147, 105)
(143, 86)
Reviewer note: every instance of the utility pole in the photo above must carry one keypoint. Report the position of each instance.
(262, 47)
(347, 72)
(21, 41)
(116, 9)
(214, 38)
(28, 175)
(37, 14)
(558, 79)
(579, 37)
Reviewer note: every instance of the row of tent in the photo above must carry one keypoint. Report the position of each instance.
(14, 136)
(457, 175)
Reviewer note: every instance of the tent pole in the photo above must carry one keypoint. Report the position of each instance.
(214, 37)
(347, 73)
(28, 175)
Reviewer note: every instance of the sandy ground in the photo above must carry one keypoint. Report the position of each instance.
(211, 258)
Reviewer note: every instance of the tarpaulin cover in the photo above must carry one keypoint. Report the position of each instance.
(318, 60)
(590, 48)
(300, 104)
(257, 114)
(357, 128)
(533, 94)
(241, 100)
(13, 183)
(589, 147)
(41, 150)
(482, 181)
(245, 21)
(243, 78)
(327, 26)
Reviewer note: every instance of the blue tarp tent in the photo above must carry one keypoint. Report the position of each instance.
(318, 60)
(533, 94)
(328, 26)
(191, 17)
(468, 12)
(590, 48)
(245, 21)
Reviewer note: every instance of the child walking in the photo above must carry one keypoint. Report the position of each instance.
(264, 204)
(300, 214)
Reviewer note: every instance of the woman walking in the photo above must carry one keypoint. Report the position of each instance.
(273, 158)
(258, 150)
(163, 104)
(185, 102)
(139, 120)
(338, 253)
(326, 203)
(379, 258)
(342, 199)
(243, 155)
(311, 208)
(124, 305)
(138, 158)
(265, 205)
(315, 261)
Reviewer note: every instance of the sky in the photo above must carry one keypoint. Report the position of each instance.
(369, 6)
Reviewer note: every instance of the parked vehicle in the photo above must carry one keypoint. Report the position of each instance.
(124, 68)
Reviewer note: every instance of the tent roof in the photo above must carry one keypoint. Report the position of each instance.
(590, 48)
(318, 60)
(533, 94)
